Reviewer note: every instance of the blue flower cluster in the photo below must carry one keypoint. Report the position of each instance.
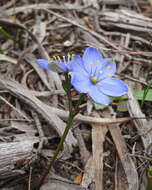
(91, 74)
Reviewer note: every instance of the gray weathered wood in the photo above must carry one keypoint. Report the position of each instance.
(14, 153)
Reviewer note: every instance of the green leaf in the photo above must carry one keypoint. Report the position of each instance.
(140, 93)
(102, 106)
(150, 171)
(8, 36)
(1, 51)
(124, 97)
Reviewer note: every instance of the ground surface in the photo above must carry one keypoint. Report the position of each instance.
(111, 154)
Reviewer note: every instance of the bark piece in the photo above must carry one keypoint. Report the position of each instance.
(127, 163)
(98, 137)
(12, 154)
(143, 126)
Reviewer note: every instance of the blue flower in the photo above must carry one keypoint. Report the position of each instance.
(93, 75)
(56, 64)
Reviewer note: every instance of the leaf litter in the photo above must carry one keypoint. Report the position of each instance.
(33, 108)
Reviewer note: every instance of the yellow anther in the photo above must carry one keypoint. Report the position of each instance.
(69, 55)
(59, 58)
(92, 75)
(100, 83)
(108, 67)
(98, 62)
(91, 64)
(108, 75)
(54, 57)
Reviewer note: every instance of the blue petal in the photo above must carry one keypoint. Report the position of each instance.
(92, 59)
(81, 81)
(98, 96)
(76, 64)
(113, 87)
(107, 70)
(44, 64)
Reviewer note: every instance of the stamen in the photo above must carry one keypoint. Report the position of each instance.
(54, 57)
(69, 55)
(64, 60)
(108, 75)
(91, 64)
(98, 62)
(92, 75)
(100, 83)
(108, 67)
(59, 58)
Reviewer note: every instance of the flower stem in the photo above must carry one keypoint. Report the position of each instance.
(69, 123)
(60, 145)
(79, 102)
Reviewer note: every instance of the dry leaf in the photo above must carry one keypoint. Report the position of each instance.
(78, 179)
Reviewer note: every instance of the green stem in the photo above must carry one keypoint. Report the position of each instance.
(149, 185)
(79, 102)
(69, 123)
(60, 145)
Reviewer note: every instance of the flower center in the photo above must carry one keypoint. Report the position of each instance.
(52, 64)
(94, 79)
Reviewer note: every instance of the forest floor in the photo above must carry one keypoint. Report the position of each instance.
(106, 148)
